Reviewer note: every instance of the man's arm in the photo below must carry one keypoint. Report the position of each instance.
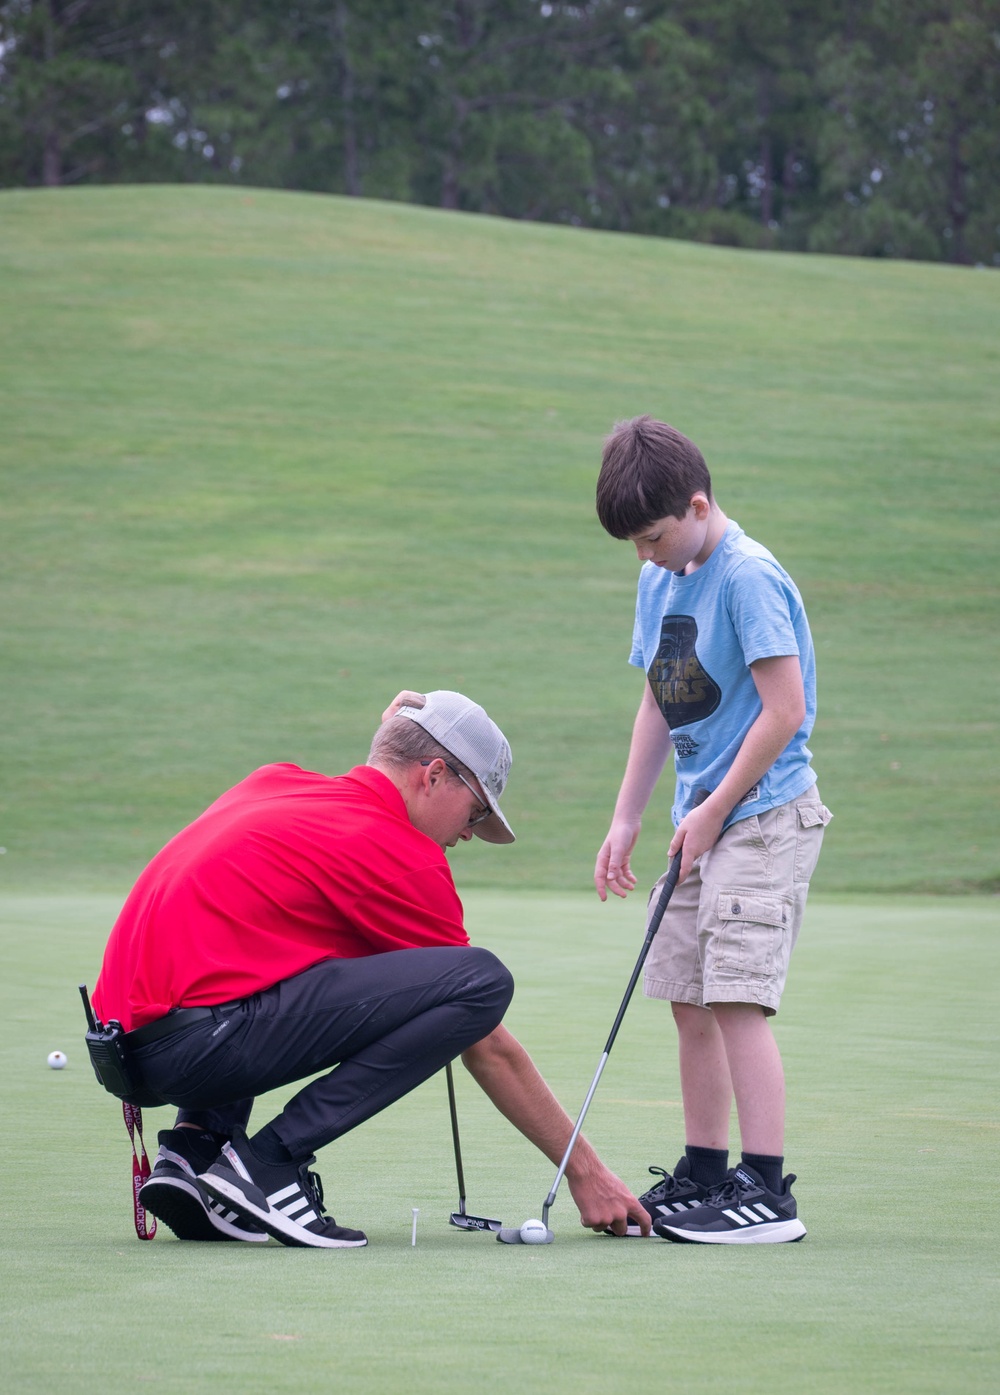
(505, 1071)
(783, 707)
(646, 758)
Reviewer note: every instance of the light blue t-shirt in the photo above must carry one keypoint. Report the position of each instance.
(696, 637)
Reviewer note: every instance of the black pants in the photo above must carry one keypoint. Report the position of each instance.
(386, 1023)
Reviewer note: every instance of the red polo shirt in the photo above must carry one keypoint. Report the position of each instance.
(287, 868)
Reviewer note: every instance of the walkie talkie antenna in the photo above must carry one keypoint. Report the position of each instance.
(91, 1021)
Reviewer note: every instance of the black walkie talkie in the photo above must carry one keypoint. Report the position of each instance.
(109, 1057)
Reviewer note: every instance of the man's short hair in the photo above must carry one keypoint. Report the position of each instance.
(399, 742)
(648, 471)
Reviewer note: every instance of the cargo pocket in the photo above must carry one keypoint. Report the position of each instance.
(753, 926)
(812, 820)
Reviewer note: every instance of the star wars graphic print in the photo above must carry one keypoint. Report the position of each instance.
(684, 691)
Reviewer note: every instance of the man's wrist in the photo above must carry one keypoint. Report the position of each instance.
(584, 1162)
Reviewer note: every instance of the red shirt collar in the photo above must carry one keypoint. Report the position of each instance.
(381, 786)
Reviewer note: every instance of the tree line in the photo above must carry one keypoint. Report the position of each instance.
(867, 127)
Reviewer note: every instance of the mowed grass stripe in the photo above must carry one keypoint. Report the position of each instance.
(268, 457)
(890, 1041)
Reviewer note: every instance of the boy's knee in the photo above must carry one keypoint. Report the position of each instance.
(691, 1018)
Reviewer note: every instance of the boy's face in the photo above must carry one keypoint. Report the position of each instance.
(675, 543)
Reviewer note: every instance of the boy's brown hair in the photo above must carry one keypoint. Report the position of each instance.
(648, 471)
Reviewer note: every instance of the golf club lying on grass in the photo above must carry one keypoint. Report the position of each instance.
(460, 1217)
(538, 1232)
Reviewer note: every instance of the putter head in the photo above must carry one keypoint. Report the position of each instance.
(465, 1222)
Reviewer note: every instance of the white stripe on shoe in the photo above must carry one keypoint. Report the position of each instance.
(235, 1162)
(674, 1208)
(275, 1219)
(299, 1210)
(297, 1206)
(175, 1160)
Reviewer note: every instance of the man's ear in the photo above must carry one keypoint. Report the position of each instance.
(434, 773)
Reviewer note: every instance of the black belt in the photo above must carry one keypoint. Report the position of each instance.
(176, 1020)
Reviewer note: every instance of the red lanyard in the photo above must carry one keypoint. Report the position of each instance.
(145, 1225)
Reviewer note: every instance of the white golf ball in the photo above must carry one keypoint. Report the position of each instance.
(57, 1060)
(534, 1233)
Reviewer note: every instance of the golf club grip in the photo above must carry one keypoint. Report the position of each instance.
(663, 900)
(669, 882)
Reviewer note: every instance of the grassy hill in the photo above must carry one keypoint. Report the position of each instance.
(267, 458)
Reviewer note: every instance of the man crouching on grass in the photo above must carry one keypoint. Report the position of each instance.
(307, 922)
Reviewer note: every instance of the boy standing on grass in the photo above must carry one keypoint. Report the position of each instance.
(722, 636)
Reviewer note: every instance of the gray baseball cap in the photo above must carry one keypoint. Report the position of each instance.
(463, 728)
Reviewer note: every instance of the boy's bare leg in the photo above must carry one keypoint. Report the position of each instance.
(757, 1075)
(706, 1087)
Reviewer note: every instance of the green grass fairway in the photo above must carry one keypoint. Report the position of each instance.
(890, 1039)
(267, 457)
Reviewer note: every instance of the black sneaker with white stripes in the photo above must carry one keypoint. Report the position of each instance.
(286, 1201)
(174, 1195)
(739, 1212)
(675, 1194)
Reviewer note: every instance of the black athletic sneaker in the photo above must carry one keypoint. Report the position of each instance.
(739, 1212)
(286, 1201)
(174, 1195)
(674, 1195)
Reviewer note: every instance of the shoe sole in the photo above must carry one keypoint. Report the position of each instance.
(634, 1233)
(272, 1221)
(180, 1205)
(768, 1233)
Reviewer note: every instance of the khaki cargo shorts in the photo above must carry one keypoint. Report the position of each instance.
(730, 928)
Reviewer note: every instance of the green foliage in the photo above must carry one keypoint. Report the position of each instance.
(908, 148)
(768, 123)
(62, 86)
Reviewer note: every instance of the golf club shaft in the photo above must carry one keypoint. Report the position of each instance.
(666, 892)
(454, 1133)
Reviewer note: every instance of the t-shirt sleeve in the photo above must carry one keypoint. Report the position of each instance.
(636, 655)
(759, 600)
(418, 910)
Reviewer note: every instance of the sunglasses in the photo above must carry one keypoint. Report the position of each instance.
(474, 818)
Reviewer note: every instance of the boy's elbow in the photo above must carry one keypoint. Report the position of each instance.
(793, 715)
(787, 715)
